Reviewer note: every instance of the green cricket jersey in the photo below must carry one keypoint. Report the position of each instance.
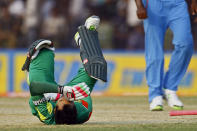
(42, 70)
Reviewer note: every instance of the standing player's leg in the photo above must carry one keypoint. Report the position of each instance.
(155, 28)
(183, 42)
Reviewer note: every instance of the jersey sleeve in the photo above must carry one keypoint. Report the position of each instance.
(43, 109)
(84, 109)
(81, 77)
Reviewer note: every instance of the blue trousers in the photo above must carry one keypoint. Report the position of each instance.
(164, 14)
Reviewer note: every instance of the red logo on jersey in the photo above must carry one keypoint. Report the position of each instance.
(85, 104)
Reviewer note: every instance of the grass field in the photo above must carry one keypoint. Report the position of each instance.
(109, 113)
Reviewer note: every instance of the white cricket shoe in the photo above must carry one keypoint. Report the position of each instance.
(173, 100)
(92, 23)
(157, 104)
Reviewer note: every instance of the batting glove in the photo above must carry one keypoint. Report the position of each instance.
(76, 92)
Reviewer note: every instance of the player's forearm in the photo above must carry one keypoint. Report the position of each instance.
(39, 88)
(139, 4)
(194, 1)
(193, 7)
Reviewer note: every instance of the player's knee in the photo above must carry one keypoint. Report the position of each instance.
(186, 49)
(155, 60)
(33, 88)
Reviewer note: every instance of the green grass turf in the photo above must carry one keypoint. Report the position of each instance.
(109, 113)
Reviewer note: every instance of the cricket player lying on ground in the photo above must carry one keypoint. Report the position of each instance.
(70, 103)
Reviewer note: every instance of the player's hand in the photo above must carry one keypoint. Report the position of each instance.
(92, 23)
(68, 93)
(193, 7)
(141, 13)
(76, 92)
(81, 90)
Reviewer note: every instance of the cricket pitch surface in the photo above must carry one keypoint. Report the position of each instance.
(117, 113)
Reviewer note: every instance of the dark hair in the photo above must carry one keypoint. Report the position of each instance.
(68, 115)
